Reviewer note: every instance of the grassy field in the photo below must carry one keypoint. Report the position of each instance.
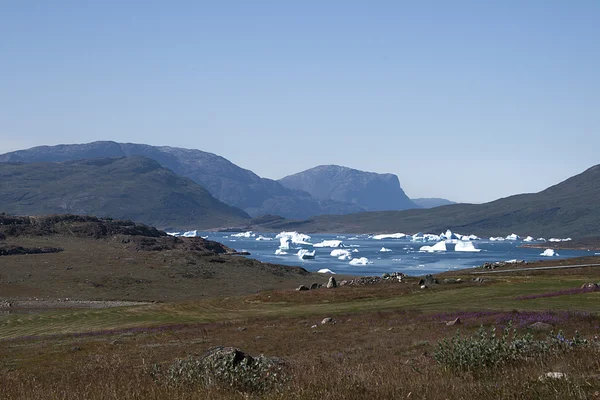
(380, 346)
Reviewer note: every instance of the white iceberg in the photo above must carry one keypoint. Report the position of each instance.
(497, 239)
(513, 236)
(304, 254)
(384, 250)
(466, 246)
(191, 234)
(325, 271)
(528, 239)
(345, 257)
(389, 236)
(360, 261)
(261, 237)
(175, 234)
(439, 246)
(280, 252)
(295, 237)
(244, 234)
(339, 252)
(470, 237)
(355, 251)
(549, 253)
(559, 240)
(329, 243)
(285, 243)
(449, 235)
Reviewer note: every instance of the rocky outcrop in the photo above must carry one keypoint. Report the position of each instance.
(369, 190)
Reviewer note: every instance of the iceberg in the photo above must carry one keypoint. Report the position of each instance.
(244, 234)
(513, 236)
(355, 251)
(449, 235)
(304, 254)
(497, 239)
(191, 234)
(280, 252)
(559, 240)
(389, 236)
(339, 252)
(284, 243)
(295, 237)
(384, 250)
(466, 246)
(360, 261)
(470, 237)
(175, 234)
(325, 271)
(261, 237)
(345, 257)
(528, 239)
(549, 253)
(439, 246)
(329, 243)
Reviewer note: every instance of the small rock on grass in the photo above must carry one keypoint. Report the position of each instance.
(327, 320)
(456, 321)
(552, 375)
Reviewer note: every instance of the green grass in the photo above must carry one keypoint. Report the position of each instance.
(500, 295)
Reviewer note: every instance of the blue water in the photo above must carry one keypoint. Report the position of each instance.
(404, 257)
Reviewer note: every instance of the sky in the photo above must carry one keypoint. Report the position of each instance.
(467, 100)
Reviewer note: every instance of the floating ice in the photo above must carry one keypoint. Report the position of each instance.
(449, 235)
(360, 261)
(284, 243)
(384, 250)
(191, 234)
(511, 261)
(295, 237)
(339, 252)
(304, 254)
(280, 252)
(389, 236)
(559, 240)
(345, 257)
(355, 251)
(325, 271)
(176, 234)
(497, 239)
(439, 246)
(244, 234)
(425, 237)
(470, 237)
(261, 237)
(329, 243)
(466, 246)
(513, 236)
(528, 239)
(549, 253)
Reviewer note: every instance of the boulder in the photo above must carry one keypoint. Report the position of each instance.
(428, 280)
(552, 375)
(301, 288)
(590, 285)
(331, 283)
(541, 326)
(327, 320)
(314, 286)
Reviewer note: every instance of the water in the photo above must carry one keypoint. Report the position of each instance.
(404, 257)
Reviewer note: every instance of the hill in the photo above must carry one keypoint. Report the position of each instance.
(431, 202)
(566, 209)
(135, 188)
(368, 190)
(226, 181)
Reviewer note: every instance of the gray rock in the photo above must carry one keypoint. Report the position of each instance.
(327, 320)
(314, 286)
(331, 283)
(302, 288)
(428, 280)
(541, 326)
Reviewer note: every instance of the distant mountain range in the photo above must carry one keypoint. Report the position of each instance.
(367, 190)
(135, 188)
(431, 202)
(570, 208)
(356, 190)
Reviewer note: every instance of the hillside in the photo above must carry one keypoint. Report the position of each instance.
(135, 188)
(566, 209)
(368, 190)
(226, 181)
(430, 202)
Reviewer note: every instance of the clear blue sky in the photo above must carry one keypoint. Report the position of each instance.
(469, 100)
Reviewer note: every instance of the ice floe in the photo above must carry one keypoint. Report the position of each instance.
(295, 237)
(191, 234)
(280, 252)
(339, 252)
(497, 239)
(329, 243)
(384, 250)
(360, 261)
(389, 236)
(549, 253)
(528, 239)
(559, 240)
(466, 246)
(244, 234)
(439, 246)
(261, 237)
(513, 236)
(325, 271)
(285, 243)
(304, 254)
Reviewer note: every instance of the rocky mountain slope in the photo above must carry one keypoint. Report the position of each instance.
(226, 181)
(368, 190)
(135, 188)
(569, 208)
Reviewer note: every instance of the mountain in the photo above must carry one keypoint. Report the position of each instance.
(369, 190)
(135, 188)
(569, 208)
(431, 202)
(226, 181)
